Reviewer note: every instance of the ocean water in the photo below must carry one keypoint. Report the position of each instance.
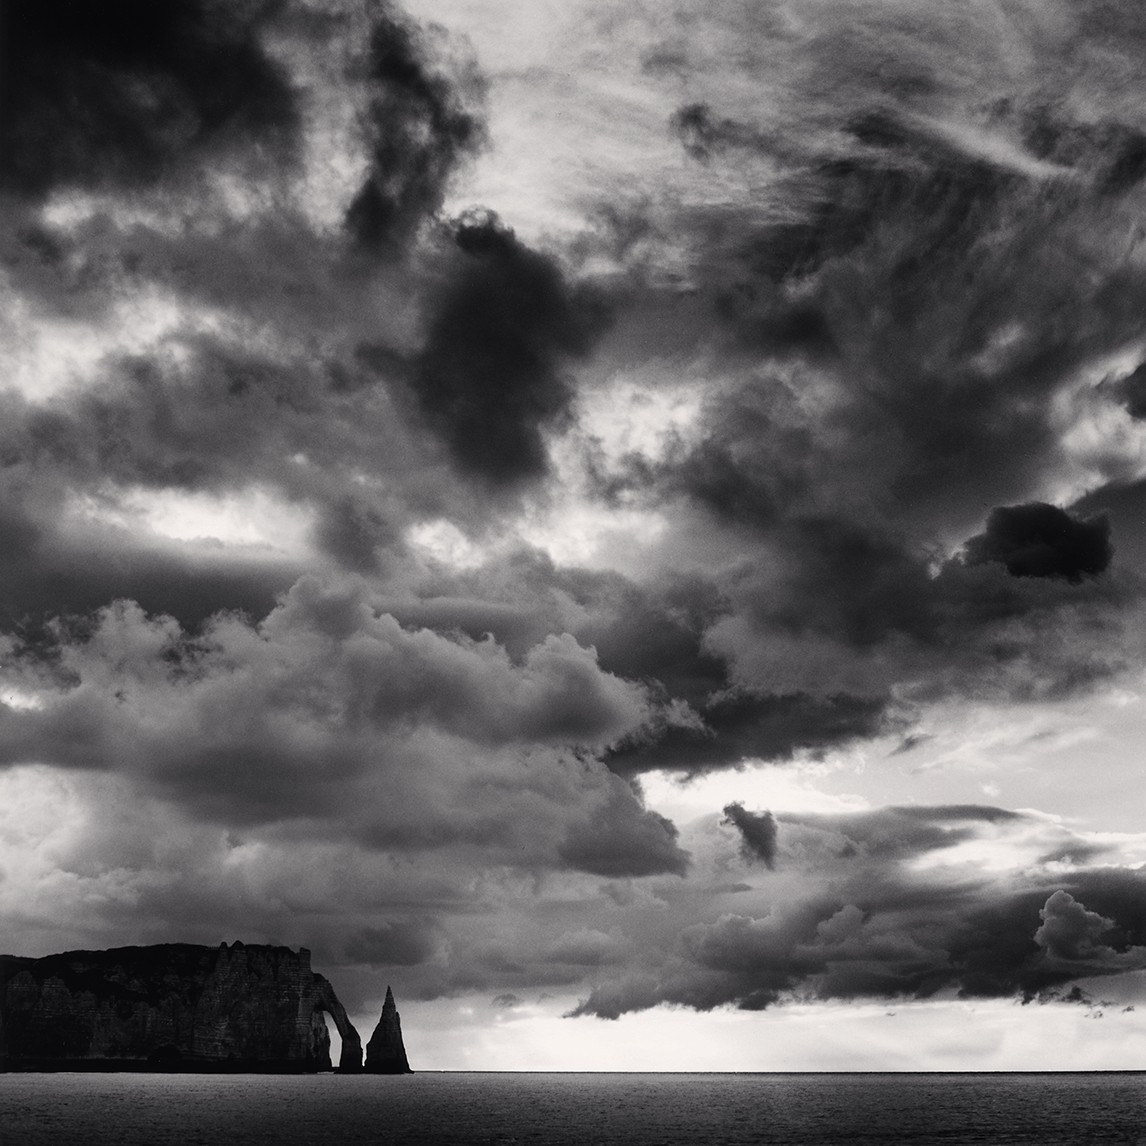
(581, 1109)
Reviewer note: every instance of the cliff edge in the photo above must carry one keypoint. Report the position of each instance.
(385, 1053)
(174, 1006)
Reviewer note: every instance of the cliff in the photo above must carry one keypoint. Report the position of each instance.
(170, 1007)
(385, 1053)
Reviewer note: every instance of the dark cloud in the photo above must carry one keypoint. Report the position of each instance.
(734, 725)
(811, 655)
(1123, 503)
(907, 261)
(757, 829)
(123, 93)
(420, 124)
(1130, 391)
(78, 575)
(1069, 932)
(614, 842)
(218, 414)
(833, 474)
(222, 422)
(489, 380)
(354, 532)
(656, 632)
(944, 813)
(398, 943)
(1040, 540)
(874, 307)
(328, 711)
(856, 583)
(817, 645)
(842, 479)
(1113, 154)
(583, 948)
(869, 923)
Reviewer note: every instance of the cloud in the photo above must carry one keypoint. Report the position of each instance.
(853, 912)
(489, 378)
(877, 221)
(419, 127)
(1072, 938)
(396, 943)
(842, 640)
(822, 360)
(611, 842)
(136, 92)
(758, 830)
(332, 717)
(835, 635)
(1042, 541)
(584, 947)
(832, 466)
(902, 833)
(734, 724)
(1130, 391)
(873, 384)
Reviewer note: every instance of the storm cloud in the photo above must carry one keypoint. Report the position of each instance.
(863, 917)
(326, 701)
(1043, 541)
(419, 128)
(134, 92)
(410, 460)
(489, 379)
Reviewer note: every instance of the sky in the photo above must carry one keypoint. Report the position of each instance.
(623, 521)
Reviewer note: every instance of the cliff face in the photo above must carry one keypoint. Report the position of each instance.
(172, 1006)
(385, 1053)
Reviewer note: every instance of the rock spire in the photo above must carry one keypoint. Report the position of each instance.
(385, 1053)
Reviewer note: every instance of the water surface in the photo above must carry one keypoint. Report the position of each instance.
(453, 1109)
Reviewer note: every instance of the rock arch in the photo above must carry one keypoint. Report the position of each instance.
(327, 1001)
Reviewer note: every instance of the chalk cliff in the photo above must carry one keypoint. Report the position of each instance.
(174, 1006)
(385, 1053)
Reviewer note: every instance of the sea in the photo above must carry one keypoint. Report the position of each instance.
(467, 1108)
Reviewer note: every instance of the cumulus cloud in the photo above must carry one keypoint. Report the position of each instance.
(863, 916)
(333, 717)
(822, 411)
(1072, 938)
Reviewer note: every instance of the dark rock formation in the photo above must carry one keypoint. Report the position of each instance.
(385, 1053)
(170, 1007)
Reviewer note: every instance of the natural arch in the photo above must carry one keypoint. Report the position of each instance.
(351, 1057)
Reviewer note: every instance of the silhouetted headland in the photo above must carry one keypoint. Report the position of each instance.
(172, 1007)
